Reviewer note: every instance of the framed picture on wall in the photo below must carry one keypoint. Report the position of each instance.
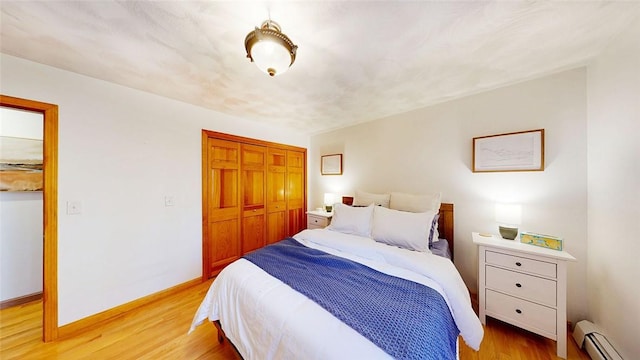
(517, 151)
(331, 164)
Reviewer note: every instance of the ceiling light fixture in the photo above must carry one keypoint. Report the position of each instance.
(271, 50)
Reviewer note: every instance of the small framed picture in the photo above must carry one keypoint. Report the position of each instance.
(517, 151)
(331, 164)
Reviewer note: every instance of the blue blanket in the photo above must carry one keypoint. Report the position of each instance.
(405, 319)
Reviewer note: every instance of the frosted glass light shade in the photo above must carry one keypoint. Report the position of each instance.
(271, 50)
(271, 57)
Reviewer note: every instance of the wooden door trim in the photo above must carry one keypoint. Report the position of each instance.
(250, 141)
(50, 210)
(206, 261)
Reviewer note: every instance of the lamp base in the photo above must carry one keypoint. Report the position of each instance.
(328, 208)
(508, 233)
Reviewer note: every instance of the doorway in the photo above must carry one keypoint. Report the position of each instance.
(50, 209)
(21, 208)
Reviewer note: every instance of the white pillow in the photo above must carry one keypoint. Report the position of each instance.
(415, 203)
(402, 229)
(351, 220)
(365, 199)
(434, 235)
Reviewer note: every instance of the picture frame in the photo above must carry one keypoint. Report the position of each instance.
(21, 164)
(515, 151)
(21, 150)
(331, 164)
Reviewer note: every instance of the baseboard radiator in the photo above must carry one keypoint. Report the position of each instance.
(589, 337)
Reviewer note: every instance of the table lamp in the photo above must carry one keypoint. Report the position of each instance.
(329, 200)
(508, 217)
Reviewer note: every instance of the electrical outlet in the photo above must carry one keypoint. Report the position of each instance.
(74, 207)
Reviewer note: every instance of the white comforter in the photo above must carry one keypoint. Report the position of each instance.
(266, 319)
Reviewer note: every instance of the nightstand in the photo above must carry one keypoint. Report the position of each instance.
(524, 285)
(318, 219)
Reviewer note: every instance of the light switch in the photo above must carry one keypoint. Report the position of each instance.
(168, 201)
(74, 207)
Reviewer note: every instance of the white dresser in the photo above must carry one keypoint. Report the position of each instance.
(318, 219)
(524, 285)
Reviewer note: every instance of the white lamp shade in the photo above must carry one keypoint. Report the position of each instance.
(508, 214)
(270, 57)
(329, 199)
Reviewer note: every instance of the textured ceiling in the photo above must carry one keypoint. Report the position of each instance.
(356, 62)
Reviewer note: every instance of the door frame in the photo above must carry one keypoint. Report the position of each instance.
(50, 210)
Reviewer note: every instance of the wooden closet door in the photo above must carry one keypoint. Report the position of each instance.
(276, 195)
(222, 233)
(296, 208)
(253, 194)
(253, 184)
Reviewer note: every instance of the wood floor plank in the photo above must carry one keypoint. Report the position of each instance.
(159, 331)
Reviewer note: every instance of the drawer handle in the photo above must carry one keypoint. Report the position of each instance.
(518, 285)
(519, 311)
(518, 264)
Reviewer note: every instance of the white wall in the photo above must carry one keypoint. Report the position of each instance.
(429, 150)
(614, 192)
(20, 244)
(21, 124)
(20, 219)
(121, 151)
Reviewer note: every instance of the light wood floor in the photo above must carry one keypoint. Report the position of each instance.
(159, 331)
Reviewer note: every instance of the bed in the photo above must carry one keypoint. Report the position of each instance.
(338, 294)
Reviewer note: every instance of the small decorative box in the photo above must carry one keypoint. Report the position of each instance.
(547, 241)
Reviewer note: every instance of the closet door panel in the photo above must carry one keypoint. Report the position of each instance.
(253, 230)
(222, 242)
(276, 227)
(276, 194)
(224, 247)
(296, 204)
(276, 179)
(223, 193)
(253, 185)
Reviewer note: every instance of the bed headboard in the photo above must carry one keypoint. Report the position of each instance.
(445, 222)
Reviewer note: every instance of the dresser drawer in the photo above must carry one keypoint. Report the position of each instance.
(534, 317)
(521, 285)
(317, 222)
(521, 263)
